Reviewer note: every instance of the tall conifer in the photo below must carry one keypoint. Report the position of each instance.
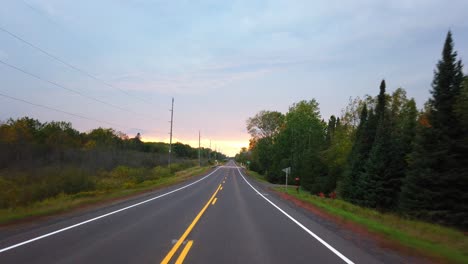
(351, 190)
(376, 180)
(437, 181)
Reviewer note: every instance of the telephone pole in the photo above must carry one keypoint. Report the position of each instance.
(199, 149)
(170, 134)
(209, 152)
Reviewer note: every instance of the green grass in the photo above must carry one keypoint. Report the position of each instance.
(257, 176)
(439, 242)
(65, 202)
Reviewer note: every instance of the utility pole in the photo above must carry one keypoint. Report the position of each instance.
(199, 149)
(209, 152)
(170, 134)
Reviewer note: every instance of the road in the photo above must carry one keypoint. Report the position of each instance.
(223, 217)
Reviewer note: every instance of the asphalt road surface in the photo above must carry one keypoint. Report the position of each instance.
(222, 217)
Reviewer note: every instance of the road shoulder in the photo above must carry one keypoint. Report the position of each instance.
(374, 244)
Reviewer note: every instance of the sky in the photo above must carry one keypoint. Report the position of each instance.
(221, 61)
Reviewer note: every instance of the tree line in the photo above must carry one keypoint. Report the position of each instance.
(27, 143)
(39, 161)
(382, 152)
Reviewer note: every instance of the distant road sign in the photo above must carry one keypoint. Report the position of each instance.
(287, 170)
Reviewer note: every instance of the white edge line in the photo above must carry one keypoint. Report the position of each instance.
(344, 258)
(101, 216)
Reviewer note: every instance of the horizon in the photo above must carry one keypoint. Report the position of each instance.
(222, 62)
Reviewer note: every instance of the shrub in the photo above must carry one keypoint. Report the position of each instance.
(160, 172)
(8, 193)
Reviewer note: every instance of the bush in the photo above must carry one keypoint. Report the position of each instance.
(9, 193)
(160, 172)
(75, 181)
(22, 188)
(176, 167)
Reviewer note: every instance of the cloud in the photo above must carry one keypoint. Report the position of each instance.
(188, 83)
(213, 76)
(285, 50)
(304, 33)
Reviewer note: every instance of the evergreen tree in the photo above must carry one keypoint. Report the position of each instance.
(377, 182)
(461, 107)
(351, 188)
(327, 180)
(437, 181)
(402, 137)
(331, 129)
(462, 144)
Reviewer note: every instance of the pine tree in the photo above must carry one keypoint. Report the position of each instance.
(402, 137)
(461, 107)
(401, 123)
(462, 154)
(327, 180)
(437, 180)
(377, 182)
(351, 189)
(331, 129)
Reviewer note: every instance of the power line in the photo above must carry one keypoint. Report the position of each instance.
(70, 65)
(65, 112)
(66, 88)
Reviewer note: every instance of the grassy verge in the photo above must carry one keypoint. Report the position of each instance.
(256, 175)
(65, 202)
(442, 243)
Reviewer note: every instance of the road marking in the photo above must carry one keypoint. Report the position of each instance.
(184, 252)
(344, 258)
(224, 181)
(214, 201)
(101, 216)
(189, 229)
(221, 188)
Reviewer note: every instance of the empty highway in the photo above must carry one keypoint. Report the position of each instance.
(221, 217)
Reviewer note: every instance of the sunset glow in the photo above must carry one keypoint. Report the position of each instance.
(228, 147)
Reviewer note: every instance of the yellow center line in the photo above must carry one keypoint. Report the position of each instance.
(188, 230)
(221, 188)
(184, 253)
(214, 201)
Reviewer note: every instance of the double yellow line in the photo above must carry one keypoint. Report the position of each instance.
(176, 246)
